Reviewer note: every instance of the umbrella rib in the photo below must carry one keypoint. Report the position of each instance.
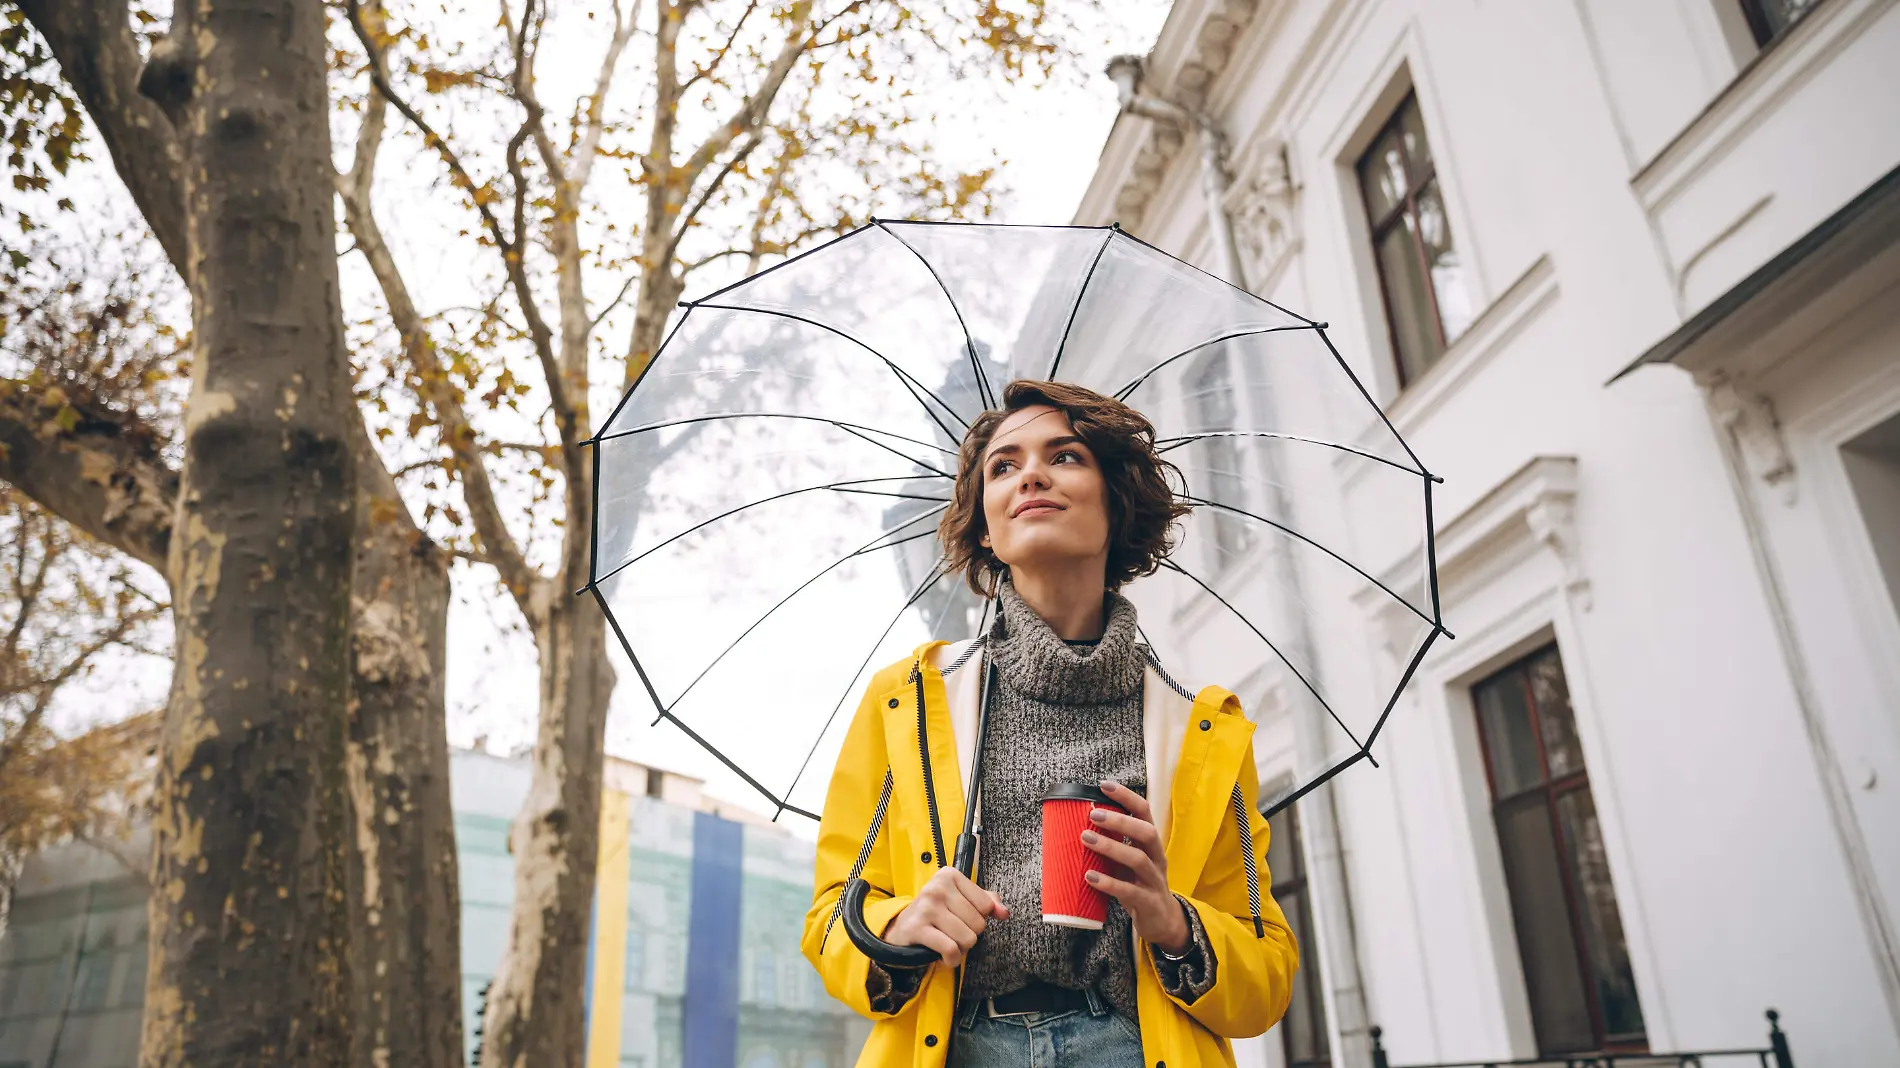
(910, 382)
(995, 225)
(1123, 393)
(627, 395)
(840, 424)
(906, 540)
(1341, 360)
(863, 433)
(640, 669)
(788, 261)
(1209, 274)
(1167, 444)
(1297, 536)
(1076, 308)
(984, 392)
(1365, 752)
(730, 512)
(1242, 616)
(886, 493)
(936, 575)
(872, 545)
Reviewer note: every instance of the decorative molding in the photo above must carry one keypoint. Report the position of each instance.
(1762, 86)
(1261, 204)
(1522, 303)
(1533, 510)
(1749, 417)
(1221, 23)
(1553, 522)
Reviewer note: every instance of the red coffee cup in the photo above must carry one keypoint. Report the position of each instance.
(1067, 898)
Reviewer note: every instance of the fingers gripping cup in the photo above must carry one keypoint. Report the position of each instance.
(1067, 898)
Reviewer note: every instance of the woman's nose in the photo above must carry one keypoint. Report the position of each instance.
(1034, 477)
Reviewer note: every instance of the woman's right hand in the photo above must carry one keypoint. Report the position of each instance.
(946, 915)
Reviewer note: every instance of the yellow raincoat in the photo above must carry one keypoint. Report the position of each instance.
(1201, 786)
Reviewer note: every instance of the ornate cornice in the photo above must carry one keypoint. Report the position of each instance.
(1214, 29)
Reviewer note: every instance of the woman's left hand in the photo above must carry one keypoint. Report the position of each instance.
(1133, 842)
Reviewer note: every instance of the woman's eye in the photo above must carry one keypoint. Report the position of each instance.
(1069, 457)
(1001, 467)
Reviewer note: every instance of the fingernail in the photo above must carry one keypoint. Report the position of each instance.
(1089, 837)
(1108, 783)
(1098, 815)
(1092, 876)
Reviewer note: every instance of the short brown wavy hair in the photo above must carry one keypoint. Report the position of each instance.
(1142, 507)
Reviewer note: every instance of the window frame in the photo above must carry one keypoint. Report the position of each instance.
(1308, 981)
(1405, 208)
(1761, 26)
(1549, 791)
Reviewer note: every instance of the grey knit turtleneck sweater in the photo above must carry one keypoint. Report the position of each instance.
(1060, 713)
(1081, 705)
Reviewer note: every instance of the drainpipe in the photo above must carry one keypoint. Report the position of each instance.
(1125, 72)
(1323, 845)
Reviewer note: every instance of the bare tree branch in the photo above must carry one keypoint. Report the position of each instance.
(753, 110)
(99, 58)
(712, 187)
(478, 490)
(104, 476)
(719, 56)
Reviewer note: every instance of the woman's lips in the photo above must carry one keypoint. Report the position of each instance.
(1034, 508)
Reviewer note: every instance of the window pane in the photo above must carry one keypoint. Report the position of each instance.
(1303, 1037)
(1509, 744)
(1552, 975)
(1769, 18)
(1448, 273)
(1603, 924)
(1283, 854)
(1417, 151)
(1414, 329)
(1556, 719)
(1382, 175)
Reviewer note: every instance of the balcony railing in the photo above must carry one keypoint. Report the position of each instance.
(1773, 1055)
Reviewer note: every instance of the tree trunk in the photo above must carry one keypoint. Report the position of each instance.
(250, 915)
(407, 922)
(659, 289)
(535, 1008)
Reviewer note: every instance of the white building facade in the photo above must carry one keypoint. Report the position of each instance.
(1627, 274)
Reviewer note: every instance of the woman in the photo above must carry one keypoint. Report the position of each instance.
(1060, 500)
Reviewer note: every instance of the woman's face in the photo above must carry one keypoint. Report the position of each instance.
(1045, 505)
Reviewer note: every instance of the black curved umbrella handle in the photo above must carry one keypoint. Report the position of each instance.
(871, 945)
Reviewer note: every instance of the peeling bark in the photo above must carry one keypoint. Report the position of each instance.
(106, 477)
(250, 956)
(535, 1007)
(407, 908)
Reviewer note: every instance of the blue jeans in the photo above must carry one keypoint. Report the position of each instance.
(1094, 1037)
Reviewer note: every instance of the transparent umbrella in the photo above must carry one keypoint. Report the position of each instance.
(767, 493)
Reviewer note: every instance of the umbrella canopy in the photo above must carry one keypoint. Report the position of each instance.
(767, 493)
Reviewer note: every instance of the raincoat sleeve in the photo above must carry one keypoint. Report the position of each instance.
(1252, 974)
(856, 784)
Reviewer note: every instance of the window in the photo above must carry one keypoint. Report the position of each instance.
(1569, 931)
(1303, 1028)
(1211, 395)
(1769, 19)
(1872, 461)
(1419, 272)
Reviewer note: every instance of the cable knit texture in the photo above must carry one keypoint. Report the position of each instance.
(1060, 713)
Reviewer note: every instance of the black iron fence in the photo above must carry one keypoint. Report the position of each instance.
(1773, 1055)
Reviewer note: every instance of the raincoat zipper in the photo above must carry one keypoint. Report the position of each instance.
(923, 752)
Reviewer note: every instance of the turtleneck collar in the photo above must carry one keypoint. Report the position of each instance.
(1036, 663)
